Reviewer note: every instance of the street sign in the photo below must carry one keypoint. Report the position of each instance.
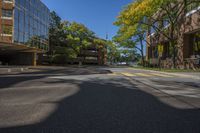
(160, 49)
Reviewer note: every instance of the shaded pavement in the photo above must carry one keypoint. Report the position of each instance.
(90, 103)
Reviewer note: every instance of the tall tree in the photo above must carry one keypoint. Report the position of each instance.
(113, 53)
(151, 14)
(68, 40)
(134, 40)
(55, 31)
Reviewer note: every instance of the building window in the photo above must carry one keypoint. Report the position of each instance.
(7, 29)
(31, 23)
(196, 46)
(7, 13)
(8, 1)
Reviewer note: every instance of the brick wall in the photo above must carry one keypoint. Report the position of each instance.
(189, 23)
(6, 39)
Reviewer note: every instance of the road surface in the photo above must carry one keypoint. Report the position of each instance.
(98, 100)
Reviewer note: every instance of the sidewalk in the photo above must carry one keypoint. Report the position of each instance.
(13, 69)
(193, 75)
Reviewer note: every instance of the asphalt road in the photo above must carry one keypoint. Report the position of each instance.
(98, 100)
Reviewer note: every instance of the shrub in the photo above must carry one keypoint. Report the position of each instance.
(60, 59)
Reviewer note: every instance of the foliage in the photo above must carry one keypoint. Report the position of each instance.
(55, 32)
(128, 55)
(77, 36)
(118, 54)
(69, 39)
(113, 52)
(138, 19)
(59, 59)
(134, 40)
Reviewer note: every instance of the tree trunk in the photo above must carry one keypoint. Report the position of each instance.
(142, 52)
(173, 44)
(174, 54)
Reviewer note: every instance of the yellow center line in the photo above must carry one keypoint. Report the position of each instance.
(128, 74)
(143, 75)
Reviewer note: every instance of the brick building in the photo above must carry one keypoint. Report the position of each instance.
(24, 27)
(188, 42)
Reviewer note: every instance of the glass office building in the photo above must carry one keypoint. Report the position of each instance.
(31, 23)
(24, 22)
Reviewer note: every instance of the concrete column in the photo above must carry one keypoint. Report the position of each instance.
(34, 59)
(24, 59)
(99, 57)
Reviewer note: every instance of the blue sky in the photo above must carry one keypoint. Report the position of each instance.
(98, 15)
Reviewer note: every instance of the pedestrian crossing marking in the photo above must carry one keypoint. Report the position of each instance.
(146, 75)
(128, 74)
(161, 75)
(143, 75)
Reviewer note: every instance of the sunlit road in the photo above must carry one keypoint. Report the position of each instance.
(98, 100)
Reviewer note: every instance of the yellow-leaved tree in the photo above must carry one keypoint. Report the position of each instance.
(142, 17)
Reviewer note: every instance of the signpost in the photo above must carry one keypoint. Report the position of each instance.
(160, 49)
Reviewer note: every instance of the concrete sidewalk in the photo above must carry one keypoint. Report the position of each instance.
(193, 75)
(13, 69)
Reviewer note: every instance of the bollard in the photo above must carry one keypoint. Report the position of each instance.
(9, 70)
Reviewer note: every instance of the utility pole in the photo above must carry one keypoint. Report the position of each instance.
(106, 36)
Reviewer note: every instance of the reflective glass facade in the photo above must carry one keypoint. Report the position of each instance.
(31, 23)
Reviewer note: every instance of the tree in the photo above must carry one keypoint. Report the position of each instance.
(133, 41)
(55, 32)
(150, 14)
(70, 40)
(78, 37)
(128, 55)
(113, 54)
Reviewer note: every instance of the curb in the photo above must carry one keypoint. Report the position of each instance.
(11, 70)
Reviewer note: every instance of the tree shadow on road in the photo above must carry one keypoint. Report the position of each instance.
(113, 106)
(13, 79)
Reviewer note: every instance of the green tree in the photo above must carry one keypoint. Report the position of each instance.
(55, 32)
(113, 54)
(78, 37)
(150, 14)
(70, 40)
